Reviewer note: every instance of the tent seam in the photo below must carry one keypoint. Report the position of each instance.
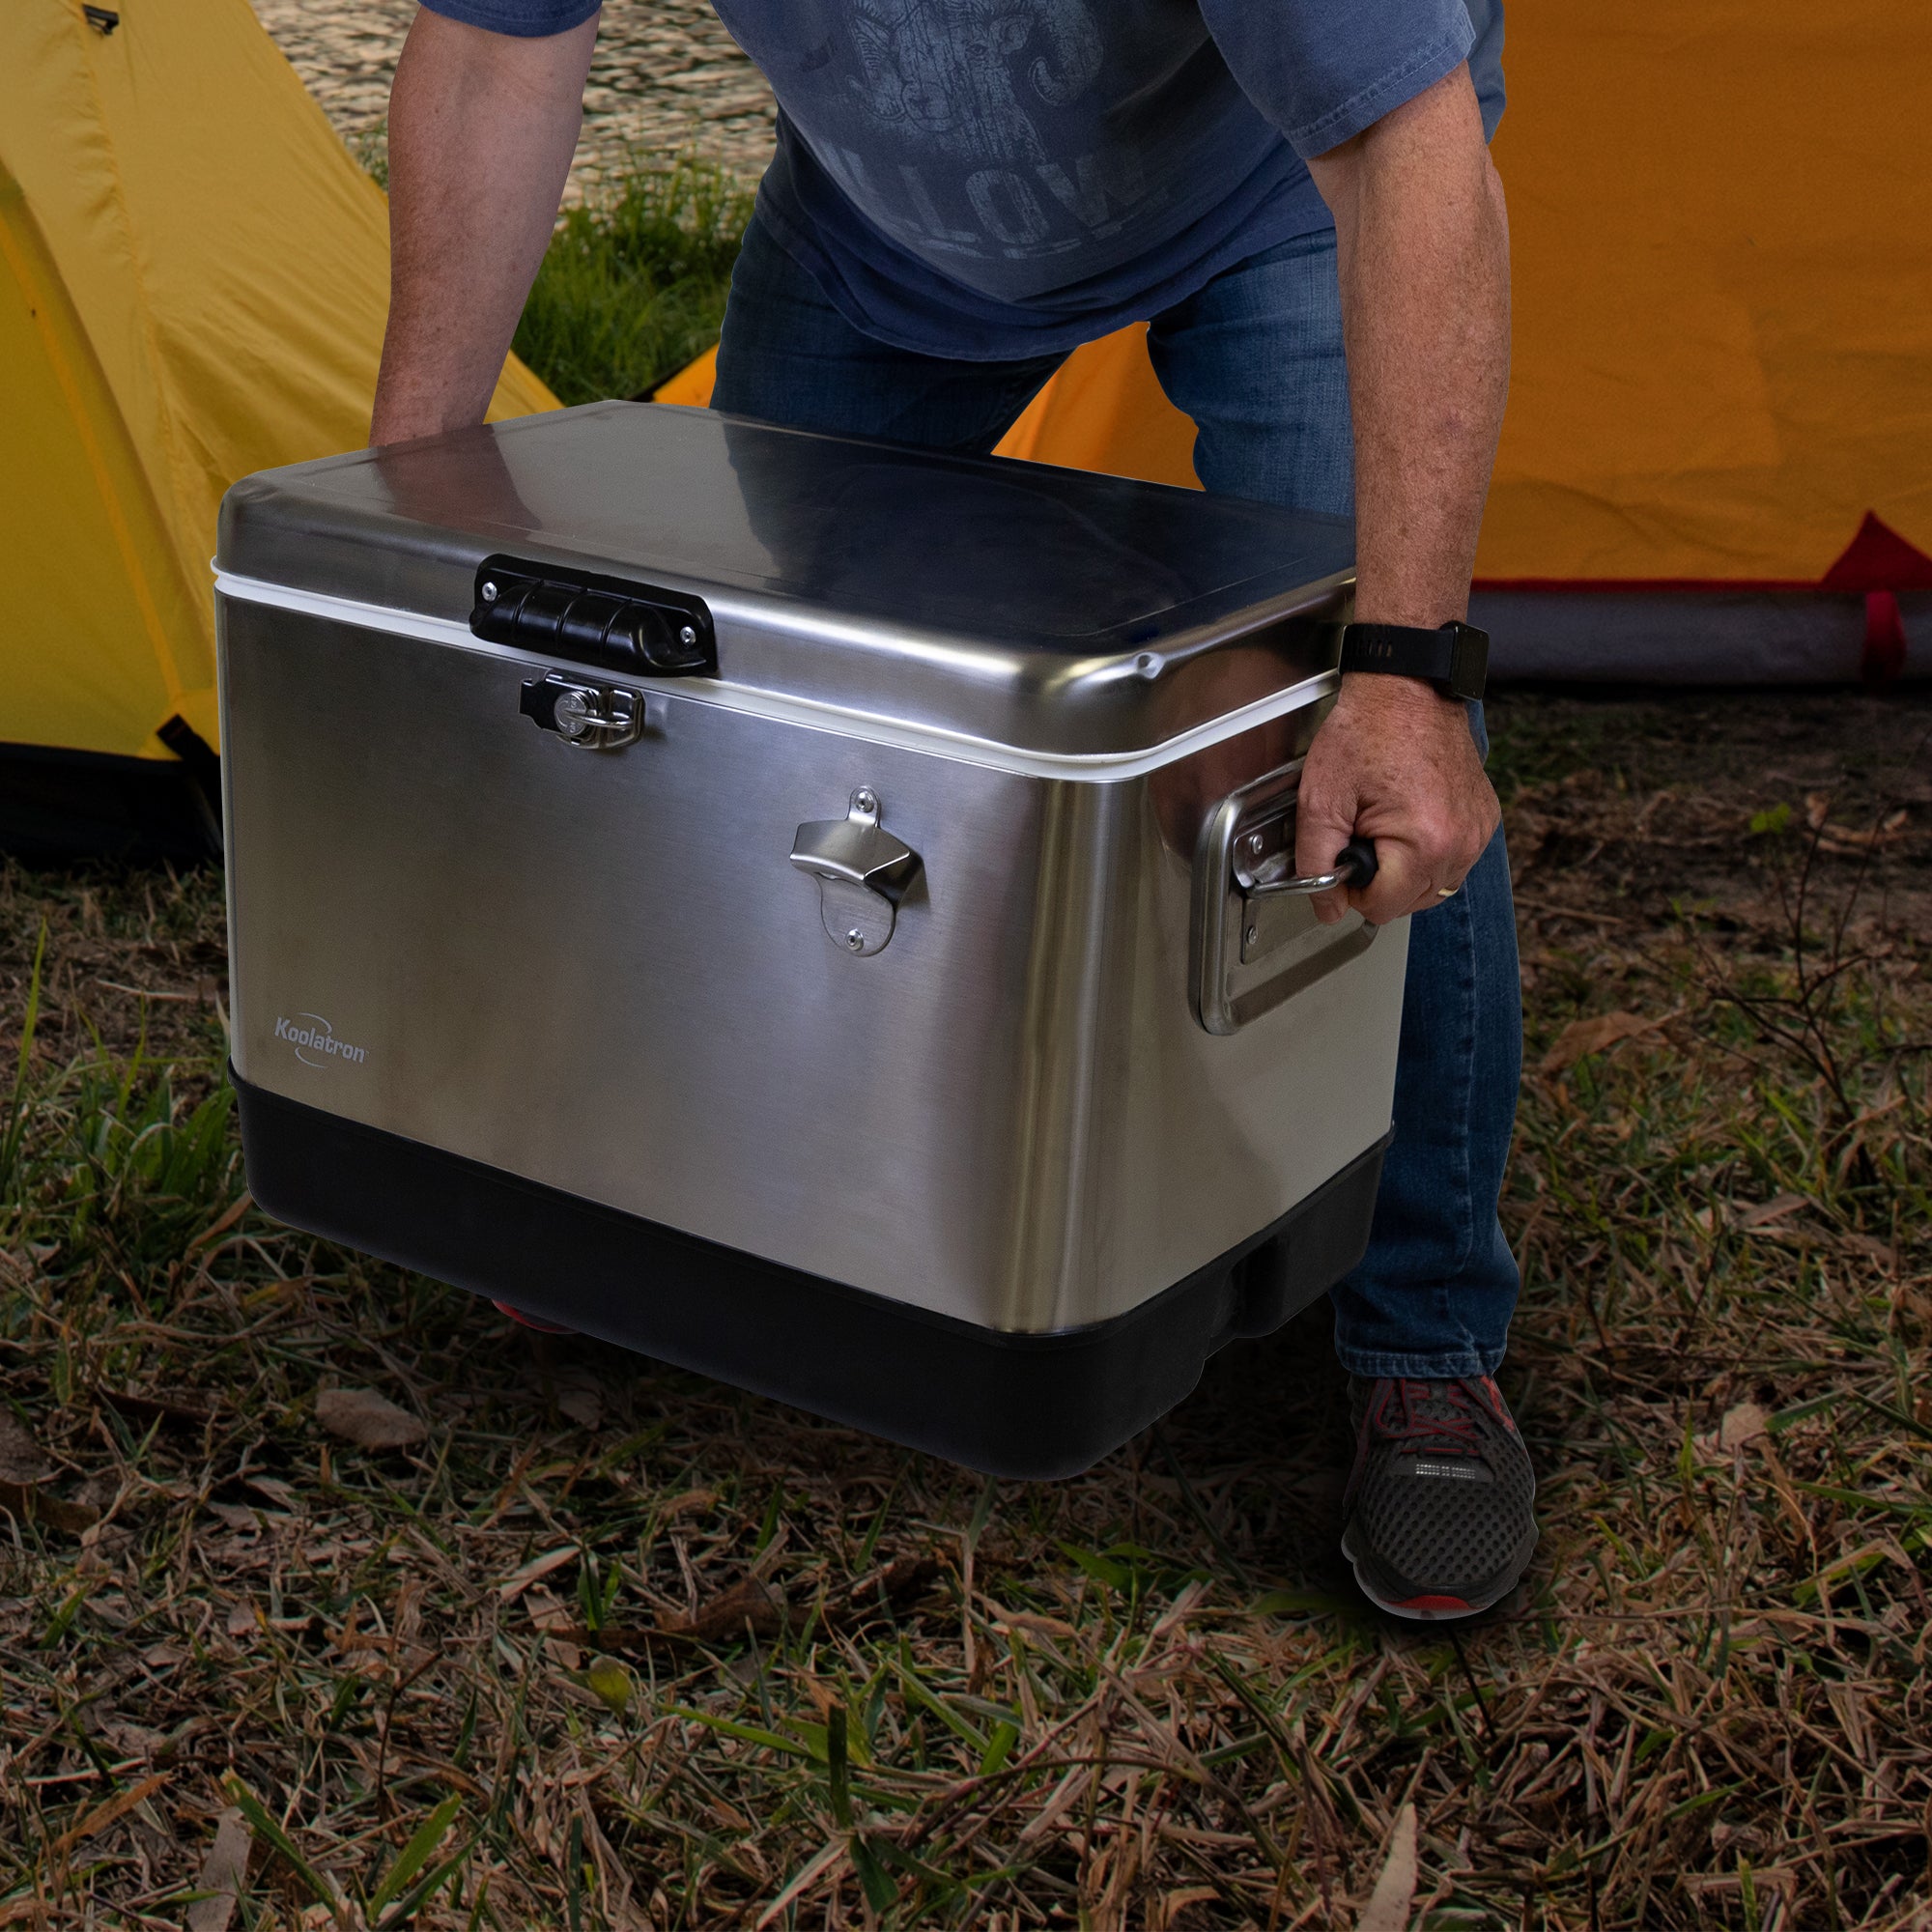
(158, 364)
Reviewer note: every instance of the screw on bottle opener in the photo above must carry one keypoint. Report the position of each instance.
(862, 874)
(1354, 866)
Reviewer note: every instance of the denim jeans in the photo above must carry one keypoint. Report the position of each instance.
(1256, 360)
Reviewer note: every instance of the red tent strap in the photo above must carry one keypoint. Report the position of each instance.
(1881, 564)
(1883, 661)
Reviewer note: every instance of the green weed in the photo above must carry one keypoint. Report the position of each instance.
(633, 285)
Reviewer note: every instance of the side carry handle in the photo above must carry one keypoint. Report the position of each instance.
(1355, 865)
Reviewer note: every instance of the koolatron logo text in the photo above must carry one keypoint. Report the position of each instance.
(317, 1039)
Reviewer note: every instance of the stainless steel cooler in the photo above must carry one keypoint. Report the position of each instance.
(775, 902)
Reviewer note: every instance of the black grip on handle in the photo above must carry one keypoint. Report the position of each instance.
(1360, 855)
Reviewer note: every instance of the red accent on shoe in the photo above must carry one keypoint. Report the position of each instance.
(523, 1320)
(1433, 1604)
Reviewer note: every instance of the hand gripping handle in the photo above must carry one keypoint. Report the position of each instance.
(1354, 866)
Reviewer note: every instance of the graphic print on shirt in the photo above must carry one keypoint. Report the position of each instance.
(956, 79)
(965, 92)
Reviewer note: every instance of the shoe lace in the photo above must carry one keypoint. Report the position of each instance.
(1441, 1417)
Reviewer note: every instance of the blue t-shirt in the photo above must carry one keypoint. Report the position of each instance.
(990, 179)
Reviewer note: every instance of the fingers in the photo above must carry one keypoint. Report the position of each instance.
(1324, 821)
(1410, 780)
(1405, 882)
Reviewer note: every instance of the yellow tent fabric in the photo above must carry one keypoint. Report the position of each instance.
(1721, 229)
(193, 278)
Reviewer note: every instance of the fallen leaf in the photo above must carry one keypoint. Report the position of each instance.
(1881, 1252)
(367, 1419)
(1387, 1908)
(215, 1231)
(723, 1617)
(1174, 1903)
(1593, 1035)
(20, 1456)
(1762, 1211)
(1740, 1425)
(221, 1874)
(108, 1813)
(133, 1740)
(583, 1405)
(1031, 1620)
(727, 1613)
(153, 1408)
(25, 1503)
(518, 1582)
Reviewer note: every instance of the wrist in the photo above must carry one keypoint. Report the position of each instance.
(1416, 697)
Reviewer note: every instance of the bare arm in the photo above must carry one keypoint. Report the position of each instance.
(481, 130)
(1423, 255)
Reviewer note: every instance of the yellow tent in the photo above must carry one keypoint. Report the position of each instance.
(1717, 458)
(193, 276)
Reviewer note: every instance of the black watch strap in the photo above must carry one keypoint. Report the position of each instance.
(1455, 659)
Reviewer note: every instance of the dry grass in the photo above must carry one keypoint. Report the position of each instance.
(613, 1646)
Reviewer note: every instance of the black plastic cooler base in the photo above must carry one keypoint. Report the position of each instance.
(1026, 1406)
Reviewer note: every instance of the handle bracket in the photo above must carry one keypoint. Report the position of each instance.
(1354, 866)
(1256, 940)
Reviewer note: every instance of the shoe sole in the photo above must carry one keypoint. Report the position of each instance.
(1440, 1608)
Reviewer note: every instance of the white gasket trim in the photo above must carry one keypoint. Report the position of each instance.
(813, 714)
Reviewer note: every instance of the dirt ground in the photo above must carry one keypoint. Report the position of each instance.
(1623, 808)
(320, 1581)
(667, 80)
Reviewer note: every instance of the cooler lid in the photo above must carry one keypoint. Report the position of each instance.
(1011, 603)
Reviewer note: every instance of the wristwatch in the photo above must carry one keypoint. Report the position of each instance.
(1455, 659)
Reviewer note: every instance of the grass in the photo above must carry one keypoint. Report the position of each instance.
(612, 1646)
(633, 285)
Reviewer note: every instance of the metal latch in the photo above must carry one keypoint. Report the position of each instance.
(862, 874)
(598, 717)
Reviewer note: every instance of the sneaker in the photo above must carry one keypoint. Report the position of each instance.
(1440, 1504)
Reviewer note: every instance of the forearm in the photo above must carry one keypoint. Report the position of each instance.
(1423, 256)
(482, 128)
